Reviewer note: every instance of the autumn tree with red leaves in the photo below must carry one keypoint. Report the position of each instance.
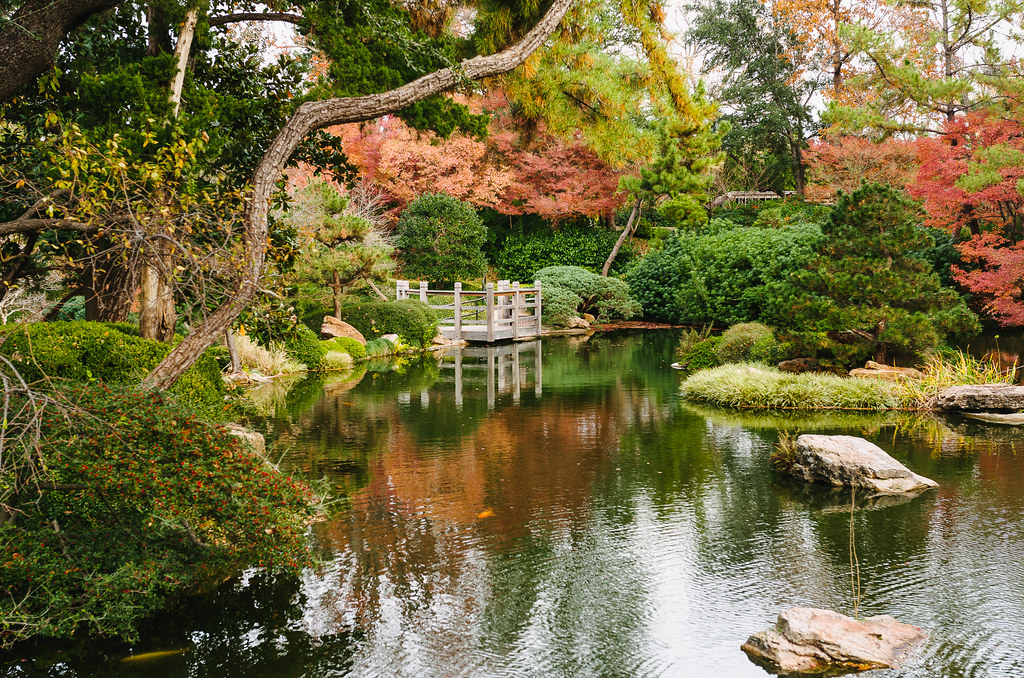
(842, 163)
(971, 182)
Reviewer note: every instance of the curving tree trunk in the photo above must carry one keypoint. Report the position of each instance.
(309, 117)
(631, 224)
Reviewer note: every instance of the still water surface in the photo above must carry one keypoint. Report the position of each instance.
(581, 520)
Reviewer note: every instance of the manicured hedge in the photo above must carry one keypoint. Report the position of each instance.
(522, 255)
(305, 347)
(84, 352)
(411, 319)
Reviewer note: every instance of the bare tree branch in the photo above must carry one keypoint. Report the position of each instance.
(35, 225)
(254, 16)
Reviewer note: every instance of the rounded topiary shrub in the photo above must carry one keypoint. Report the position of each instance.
(558, 306)
(348, 345)
(739, 342)
(84, 352)
(599, 295)
(702, 356)
(411, 319)
(441, 238)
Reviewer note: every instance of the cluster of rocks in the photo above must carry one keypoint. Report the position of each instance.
(809, 640)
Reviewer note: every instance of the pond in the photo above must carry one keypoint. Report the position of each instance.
(555, 509)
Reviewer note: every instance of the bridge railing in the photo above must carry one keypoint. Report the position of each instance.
(505, 310)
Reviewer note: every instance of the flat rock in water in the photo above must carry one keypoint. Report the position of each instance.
(847, 461)
(986, 398)
(810, 640)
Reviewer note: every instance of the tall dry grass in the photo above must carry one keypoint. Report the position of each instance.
(268, 362)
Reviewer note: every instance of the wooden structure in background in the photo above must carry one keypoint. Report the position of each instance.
(499, 312)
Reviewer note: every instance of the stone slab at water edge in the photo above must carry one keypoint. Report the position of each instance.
(987, 398)
(810, 640)
(847, 461)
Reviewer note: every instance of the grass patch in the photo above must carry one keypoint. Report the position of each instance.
(749, 385)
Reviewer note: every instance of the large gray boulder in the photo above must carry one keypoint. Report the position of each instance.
(986, 398)
(846, 461)
(810, 640)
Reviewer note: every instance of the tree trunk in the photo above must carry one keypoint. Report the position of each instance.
(315, 115)
(336, 286)
(157, 316)
(29, 40)
(229, 341)
(631, 224)
(107, 285)
(181, 53)
(798, 165)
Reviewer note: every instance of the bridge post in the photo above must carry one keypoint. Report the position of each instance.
(515, 310)
(458, 311)
(490, 312)
(536, 285)
(423, 291)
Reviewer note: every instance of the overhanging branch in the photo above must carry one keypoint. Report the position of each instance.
(254, 16)
(309, 117)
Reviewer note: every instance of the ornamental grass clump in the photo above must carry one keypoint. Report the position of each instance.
(952, 368)
(751, 385)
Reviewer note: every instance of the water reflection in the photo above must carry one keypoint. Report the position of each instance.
(597, 527)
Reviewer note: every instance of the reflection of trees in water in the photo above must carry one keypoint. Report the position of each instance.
(422, 561)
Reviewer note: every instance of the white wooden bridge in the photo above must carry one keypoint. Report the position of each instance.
(500, 312)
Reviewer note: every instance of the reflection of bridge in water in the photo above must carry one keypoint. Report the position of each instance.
(504, 369)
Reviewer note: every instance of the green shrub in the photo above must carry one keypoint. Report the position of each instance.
(690, 338)
(723, 274)
(600, 296)
(441, 238)
(523, 254)
(558, 306)
(739, 340)
(411, 319)
(84, 352)
(158, 504)
(703, 355)
(348, 345)
(305, 347)
(312, 314)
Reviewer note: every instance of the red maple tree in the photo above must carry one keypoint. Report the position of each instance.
(970, 181)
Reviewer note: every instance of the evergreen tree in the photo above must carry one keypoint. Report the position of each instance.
(869, 291)
(765, 94)
(441, 238)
